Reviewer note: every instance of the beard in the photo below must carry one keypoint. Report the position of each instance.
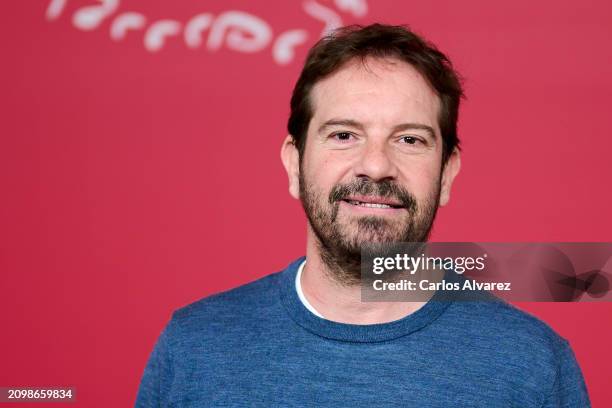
(340, 236)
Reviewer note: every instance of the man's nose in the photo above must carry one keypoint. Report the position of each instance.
(375, 162)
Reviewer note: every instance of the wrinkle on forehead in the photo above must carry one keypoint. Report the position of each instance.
(363, 84)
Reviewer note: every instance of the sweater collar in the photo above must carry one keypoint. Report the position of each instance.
(368, 333)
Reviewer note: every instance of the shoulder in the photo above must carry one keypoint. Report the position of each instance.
(257, 292)
(504, 342)
(514, 344)
(499, 319)
(509, 334)
(238, 309)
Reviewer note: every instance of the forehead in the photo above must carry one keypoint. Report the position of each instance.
(377, 93)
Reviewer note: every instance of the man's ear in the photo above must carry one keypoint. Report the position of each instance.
(450, 171)
(291, 160)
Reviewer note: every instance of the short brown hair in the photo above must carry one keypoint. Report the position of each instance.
(381, 41)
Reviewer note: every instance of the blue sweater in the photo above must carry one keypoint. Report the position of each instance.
(258, 346)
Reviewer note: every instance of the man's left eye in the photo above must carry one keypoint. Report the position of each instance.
(409, 140)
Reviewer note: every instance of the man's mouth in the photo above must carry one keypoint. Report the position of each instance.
(373, 202)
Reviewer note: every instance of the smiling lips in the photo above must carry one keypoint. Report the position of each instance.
(373, 202)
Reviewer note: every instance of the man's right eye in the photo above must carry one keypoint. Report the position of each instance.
(342, 136)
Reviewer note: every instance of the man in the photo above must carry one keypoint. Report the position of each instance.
(372, 152)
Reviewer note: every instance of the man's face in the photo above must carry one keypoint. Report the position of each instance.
(371, 167)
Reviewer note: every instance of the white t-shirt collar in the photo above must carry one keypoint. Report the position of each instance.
(298, 288)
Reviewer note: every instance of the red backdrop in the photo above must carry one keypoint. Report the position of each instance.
(140, 171)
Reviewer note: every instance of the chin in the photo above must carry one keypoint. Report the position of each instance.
(373, 238)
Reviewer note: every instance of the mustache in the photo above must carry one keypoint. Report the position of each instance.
(367, 187)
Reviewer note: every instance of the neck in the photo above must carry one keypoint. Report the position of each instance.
(341, 302)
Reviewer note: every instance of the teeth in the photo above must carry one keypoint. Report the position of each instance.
(370, 205)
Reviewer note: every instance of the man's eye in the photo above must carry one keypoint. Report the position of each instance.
(342, 136)
(410, 140)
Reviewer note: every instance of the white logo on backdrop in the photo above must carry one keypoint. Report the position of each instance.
(236, 30)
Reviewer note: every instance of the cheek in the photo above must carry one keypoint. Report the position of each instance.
(323, 170)
(422, 180)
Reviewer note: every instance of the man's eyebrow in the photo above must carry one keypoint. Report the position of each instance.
(341, 122)
(399, 128)
(415, 126)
